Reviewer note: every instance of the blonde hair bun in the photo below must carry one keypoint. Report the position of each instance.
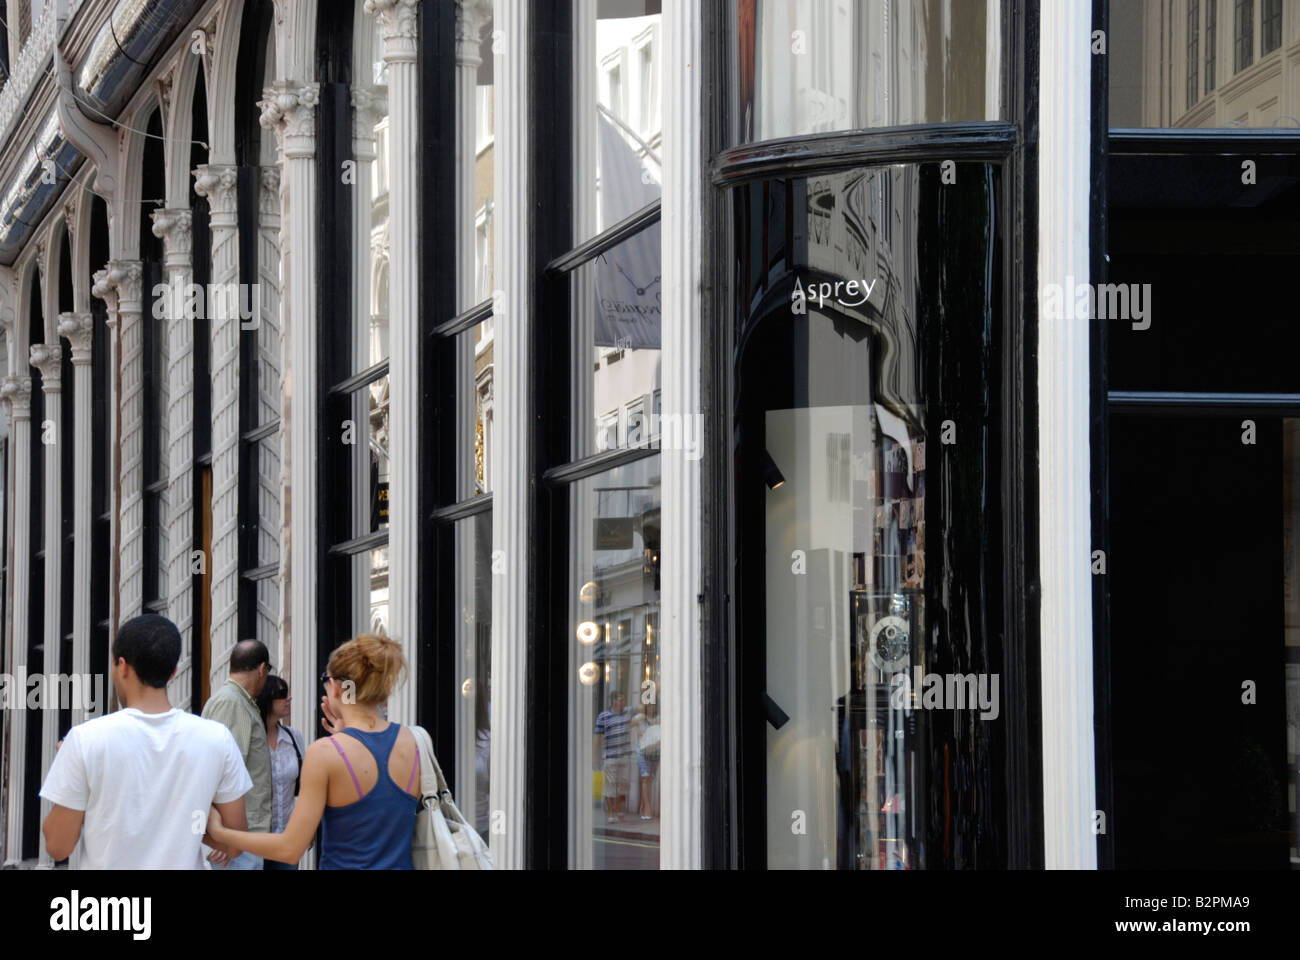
(374, 664)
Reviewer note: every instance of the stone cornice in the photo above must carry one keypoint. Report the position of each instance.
(79, 330)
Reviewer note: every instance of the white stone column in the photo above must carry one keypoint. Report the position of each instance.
(512, 486)
(289, 108)
(399, 19)
(17, 395)
(78, 330)
(270, 350)
(219, 184)
(1069, 760)
(125, 278)
(47, 358)
(685, 188)
(102, 288)
(175, 226)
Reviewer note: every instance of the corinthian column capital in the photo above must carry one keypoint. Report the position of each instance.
(471, 15)
(119, 284)
(217, 183)
(47, 357)
(289, 109)
(175, 225)
(400, 27)
(16, 392)
(79, 330)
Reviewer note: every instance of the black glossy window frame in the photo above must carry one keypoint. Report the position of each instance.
(732, 839)
(1108, 142)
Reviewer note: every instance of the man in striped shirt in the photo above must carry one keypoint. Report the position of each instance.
(613, 733)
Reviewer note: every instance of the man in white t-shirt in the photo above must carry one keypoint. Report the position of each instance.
(131, 790)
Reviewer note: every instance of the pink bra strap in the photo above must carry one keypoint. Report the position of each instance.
(414, 770)
(355, 781)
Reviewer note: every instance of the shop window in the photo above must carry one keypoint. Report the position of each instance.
(866, 598)
(457, 431)
(818, 66)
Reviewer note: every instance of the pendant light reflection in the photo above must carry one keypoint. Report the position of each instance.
(588, 632)
(587, 673)
(772, 474)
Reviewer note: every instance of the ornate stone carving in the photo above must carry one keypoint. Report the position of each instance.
(163, 87)
(471, 15)
(118, 283)
(79, 330)
(217, 182)
(70, 217)
(268, 198)
(289, 108)
(47, 357)
(16, 392)
(400, 27)
(369, 103)
(175, 225)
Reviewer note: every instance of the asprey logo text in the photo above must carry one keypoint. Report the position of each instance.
(76, 913)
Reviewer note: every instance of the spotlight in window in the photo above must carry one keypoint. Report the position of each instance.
(772, 474)
(587, 673)
(588, 632)
(467, 688)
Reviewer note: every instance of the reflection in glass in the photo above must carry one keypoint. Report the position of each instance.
(615, 693)
(474, 673)
(617, 126)
(617, 312)
(818, 66)
(370, 238)
(1197, 63)
(1291, 600)
(370, 576)
(865, 343)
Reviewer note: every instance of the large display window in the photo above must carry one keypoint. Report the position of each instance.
(867, 430)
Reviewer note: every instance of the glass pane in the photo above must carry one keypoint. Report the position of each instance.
(268, 616)
(617, 308)
(615, 670)
(370, 581)
(1206, 63)
(474, 414)
(474, 667)
(370, 238)
(474, 72)
(817, 66)
(1205, 610)
(617, 124)
(269, 514)
(869, 612)
(1177, 224)
(367, 441)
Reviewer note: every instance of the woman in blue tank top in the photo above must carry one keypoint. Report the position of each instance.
(361, 785)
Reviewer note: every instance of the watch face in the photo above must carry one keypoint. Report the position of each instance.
(889, 644)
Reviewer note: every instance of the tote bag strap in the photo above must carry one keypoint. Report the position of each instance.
(432, 782)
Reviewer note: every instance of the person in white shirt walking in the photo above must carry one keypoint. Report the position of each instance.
(132, 789)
